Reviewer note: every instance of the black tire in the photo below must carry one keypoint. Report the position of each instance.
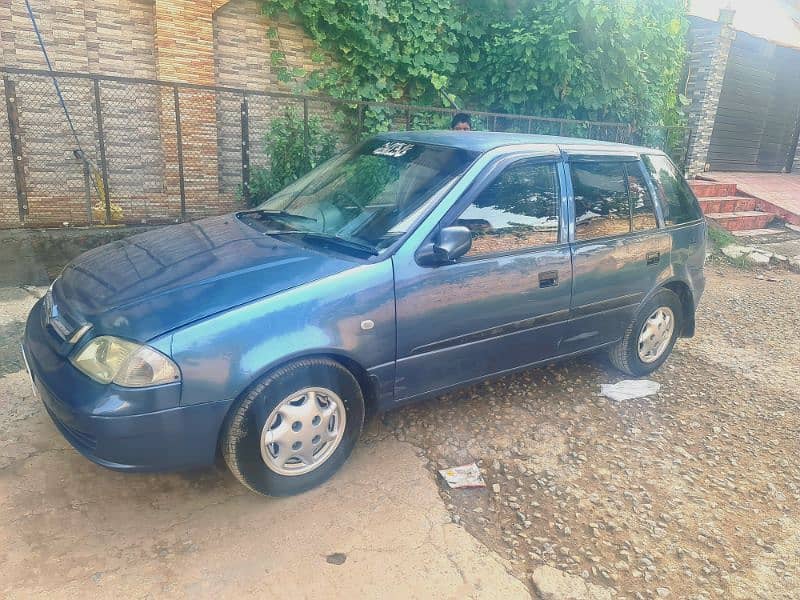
(624, 355)
(241, 432)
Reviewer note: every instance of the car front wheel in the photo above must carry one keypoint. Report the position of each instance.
(649, 339)
(294, 428)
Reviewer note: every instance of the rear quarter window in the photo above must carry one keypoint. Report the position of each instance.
(677, 200)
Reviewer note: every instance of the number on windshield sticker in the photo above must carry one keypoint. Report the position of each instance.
(393, 149)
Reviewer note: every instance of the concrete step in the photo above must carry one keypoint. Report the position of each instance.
(711, 189)
(727, 204)
(756, 232)
(741, 220)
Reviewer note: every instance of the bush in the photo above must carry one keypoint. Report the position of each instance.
(291, 155)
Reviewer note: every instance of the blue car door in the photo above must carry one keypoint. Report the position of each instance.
(619, 250)
(504, 304)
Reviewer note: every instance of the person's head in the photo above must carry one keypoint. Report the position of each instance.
(461, 122)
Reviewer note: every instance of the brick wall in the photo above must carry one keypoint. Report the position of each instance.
(209, 42)
(243, 59)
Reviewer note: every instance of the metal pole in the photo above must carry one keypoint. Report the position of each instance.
(179, 142)
(306, 134)
(102, 142)
(16, 147)
(87, 192)
(246, 148)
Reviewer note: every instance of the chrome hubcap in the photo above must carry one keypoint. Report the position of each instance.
(302, 431)
(656, 334)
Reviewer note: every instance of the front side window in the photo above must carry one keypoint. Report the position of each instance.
(677, 201)
(602, 207)
(363, 199)
(518, 211)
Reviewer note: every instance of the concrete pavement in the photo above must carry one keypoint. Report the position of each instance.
(70, 529)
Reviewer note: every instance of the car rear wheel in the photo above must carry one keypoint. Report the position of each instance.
(650, 337)
(294, 428)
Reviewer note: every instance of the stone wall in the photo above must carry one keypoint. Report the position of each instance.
(709, 45)
(206, 42)
(103, 36)
(243, 59)
(796, 163)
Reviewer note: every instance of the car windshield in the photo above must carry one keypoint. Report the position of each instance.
(365, 198)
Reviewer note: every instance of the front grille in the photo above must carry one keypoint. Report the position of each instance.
(53, 319)
(59, 324)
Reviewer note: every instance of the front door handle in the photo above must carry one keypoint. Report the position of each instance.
(653, 258)
(548, 279)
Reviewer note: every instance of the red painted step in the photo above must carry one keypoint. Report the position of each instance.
(727, 204)
(740, 220)
(711, 189)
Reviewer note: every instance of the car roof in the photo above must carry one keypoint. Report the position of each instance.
(483, 141)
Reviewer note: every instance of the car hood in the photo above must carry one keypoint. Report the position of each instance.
(156, 281)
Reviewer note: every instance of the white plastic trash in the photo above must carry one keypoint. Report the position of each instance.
(629, 389)
(465, 476)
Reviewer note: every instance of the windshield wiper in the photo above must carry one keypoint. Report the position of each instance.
(330, 237)
(277, 213)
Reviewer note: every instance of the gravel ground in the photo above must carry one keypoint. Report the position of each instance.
(692, 493)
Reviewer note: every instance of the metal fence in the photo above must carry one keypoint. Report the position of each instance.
(147, 151)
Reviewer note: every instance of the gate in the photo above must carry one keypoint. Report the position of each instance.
(756, 126)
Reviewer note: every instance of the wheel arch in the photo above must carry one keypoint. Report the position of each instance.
(367, 383)
(684, 293)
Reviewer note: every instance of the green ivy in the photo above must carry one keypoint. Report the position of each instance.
(615, 60)
(608, 60)
(384, 50)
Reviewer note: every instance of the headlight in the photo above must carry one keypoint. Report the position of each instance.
(106, 359)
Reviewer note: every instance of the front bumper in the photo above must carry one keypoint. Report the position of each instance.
(120, 428)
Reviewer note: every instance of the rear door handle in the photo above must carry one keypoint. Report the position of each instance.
(653, 258)
(548, 279)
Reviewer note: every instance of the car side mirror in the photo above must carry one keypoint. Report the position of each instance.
(450, 244)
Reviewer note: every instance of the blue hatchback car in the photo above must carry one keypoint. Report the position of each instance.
(414, 263)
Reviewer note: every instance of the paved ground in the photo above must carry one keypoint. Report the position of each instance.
(70, 529)
(693, 493)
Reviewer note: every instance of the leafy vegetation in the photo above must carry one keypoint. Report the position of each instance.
(719, 237)
(292, 153)
(606, 60)
(615, 60)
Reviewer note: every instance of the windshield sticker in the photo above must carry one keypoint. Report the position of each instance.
(393, 149)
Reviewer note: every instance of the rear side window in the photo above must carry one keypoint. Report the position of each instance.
(677, 201)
